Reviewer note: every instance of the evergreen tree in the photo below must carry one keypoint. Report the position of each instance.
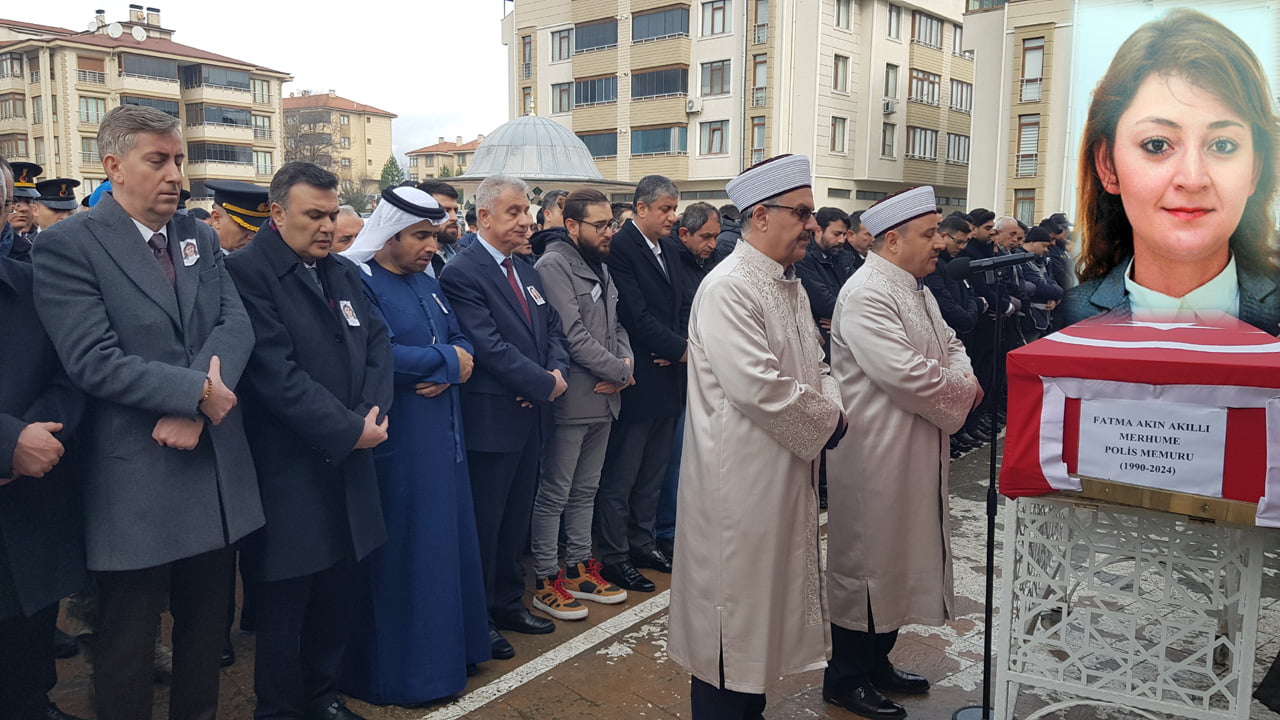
(392, 174)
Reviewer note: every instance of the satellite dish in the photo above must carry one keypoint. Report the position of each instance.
(93, 26)
(139, 34)
(115, 30)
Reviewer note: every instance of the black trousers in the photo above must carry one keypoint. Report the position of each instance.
(856, 655)
(130, 605)
(503, 486)
(716, 703)
(635, 467)
(302, 629)
(27, 670)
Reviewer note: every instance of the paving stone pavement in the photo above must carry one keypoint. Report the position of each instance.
(614, 664)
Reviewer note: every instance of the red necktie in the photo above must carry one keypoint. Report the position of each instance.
(160, 248)
(515, 287)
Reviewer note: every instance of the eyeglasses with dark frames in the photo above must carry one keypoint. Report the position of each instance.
(610, 225)
(802, 213)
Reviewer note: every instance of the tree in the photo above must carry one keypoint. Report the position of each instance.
(352, 193)
(445, 171)
(310, 135)
(392, 174)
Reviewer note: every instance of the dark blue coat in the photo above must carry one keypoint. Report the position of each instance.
(513, 356)
(310, 381)
(956, 299)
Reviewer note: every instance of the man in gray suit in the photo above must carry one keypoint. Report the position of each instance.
(150, 326)
(579, 287)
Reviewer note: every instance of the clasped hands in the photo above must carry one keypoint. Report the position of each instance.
(183, 433)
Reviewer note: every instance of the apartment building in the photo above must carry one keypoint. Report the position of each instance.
(1028, 116)
(443, 159)
(56, 84)
(877, 93)
(350, 138)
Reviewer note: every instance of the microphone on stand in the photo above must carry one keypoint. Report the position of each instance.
(963, 267)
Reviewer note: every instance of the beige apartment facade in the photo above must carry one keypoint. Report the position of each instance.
(877, 93)
(442, 160)
(56, 84)
(350, 138)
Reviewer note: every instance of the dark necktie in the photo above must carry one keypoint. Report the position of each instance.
(515, 287)
(314, 274)
(160, 248)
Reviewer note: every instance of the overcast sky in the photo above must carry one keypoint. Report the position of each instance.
(439, 65)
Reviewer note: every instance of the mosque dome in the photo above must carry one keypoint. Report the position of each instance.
(533, 148)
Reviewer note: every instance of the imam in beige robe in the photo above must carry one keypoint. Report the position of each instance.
(761, 407)
(902, 374)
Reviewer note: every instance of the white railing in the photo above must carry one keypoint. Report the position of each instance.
(91, 118)
(92, 77)
(35, 77)
(526, 70)
(1027, 164)
(90, 157)
(757, 156)
(758, 96)
(149, 77)
(1031, 90)
(760, 33)
(260, 99)
(264, 169)
(261, 133)
(923, 100)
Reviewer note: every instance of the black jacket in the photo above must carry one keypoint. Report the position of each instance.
(650, 306)
(956, 299)
(730, 234)
(543, 238)
(312, 378)
(822, 276)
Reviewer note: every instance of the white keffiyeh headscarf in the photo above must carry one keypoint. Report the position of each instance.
(400, 208)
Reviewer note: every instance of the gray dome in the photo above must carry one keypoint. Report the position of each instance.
(533, 148)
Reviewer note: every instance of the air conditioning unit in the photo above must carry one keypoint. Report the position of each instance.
(890, 106)
(693, 105)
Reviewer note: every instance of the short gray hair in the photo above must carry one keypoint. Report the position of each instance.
(697, 215)
(652, 187)
(118, 132)
(1003, 221)
(495, 185)
(347, 210)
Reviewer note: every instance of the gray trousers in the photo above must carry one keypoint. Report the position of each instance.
(634, 469)
(571, 467)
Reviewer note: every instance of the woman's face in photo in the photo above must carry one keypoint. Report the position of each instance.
(1184, 167)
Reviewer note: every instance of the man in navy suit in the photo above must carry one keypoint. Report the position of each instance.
(653, 292)
(521, 361)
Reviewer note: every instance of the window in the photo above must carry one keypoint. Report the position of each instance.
(431, 160)
(840, 74)
(957, 149)
(922, 143)
(1024, 205)
(262, 163)
(924, 88)
(201, 114)
(89, 150)
(673, 22)
(760, 31)
(37, 110)
(169, 107)
(595, 91)
(757, 139)
(346, 162)
(413, 161)
(10, 65)
(715, 78)
(926, 29)
(715, 18)
(839, 133)
(92, 109)
(961, 96)
(957, 41)
(870, 195)
(1028, 145)
(762, 11)
(14, 106)
(91, 184)
(344, 142)
(1032, 69)
(344, 120)
(14, 147)
(601, 145)
(660, 141)
(844, 14)
(261, 91)
(759, 79)
(313, 117)
(891, 81)
(261, 127)
(562, 97)
(213, 76)
(219, 153)
(561, 45)
(595, 36)
(895, 22)
(888, 140)
(149, 67)
(89, 69)
(526, 57)
(713, 138)
(526, 101)
(660, 83)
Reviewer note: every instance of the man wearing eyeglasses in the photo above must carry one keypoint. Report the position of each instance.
(579, 287)
(21, 210)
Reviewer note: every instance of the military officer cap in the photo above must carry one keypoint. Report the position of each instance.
(58, 193)
(183, 197)
(245, 203)
(24, 179)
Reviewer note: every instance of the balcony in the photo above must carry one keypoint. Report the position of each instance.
(13, 123)
(757, 156)
(216, 94)
(931, 100)
(91, 118)
(91, 77)
(264, 170)
(147, 84)
(261, 133)
(526, 71)
(263, 99)
(90, 157)
(14, 82)
(759, 95)
(760, 33)
(231, 170)
(1031, 90)
(1027, 164)
(218, 132)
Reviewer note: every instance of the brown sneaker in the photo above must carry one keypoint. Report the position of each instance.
(550, 596)
(583, 581)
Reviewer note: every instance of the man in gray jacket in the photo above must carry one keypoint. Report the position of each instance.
(149, 325)
(578, 286)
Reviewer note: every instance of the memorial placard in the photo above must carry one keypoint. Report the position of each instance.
(1166, 445)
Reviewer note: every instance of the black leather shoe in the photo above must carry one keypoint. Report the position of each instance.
(64, 646)
(893, 680)
(228, 654)
(866, 701)
(967, 439)
(956, 453)
(653, 559)
(523, 621)
(667, 546)
(498, 645)
(979, 434)
(51, 712)
(336, 710)
(625, 576)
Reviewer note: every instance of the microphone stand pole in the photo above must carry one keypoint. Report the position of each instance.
(983, 712)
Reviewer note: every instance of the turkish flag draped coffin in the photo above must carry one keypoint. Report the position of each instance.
(1181, 406)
